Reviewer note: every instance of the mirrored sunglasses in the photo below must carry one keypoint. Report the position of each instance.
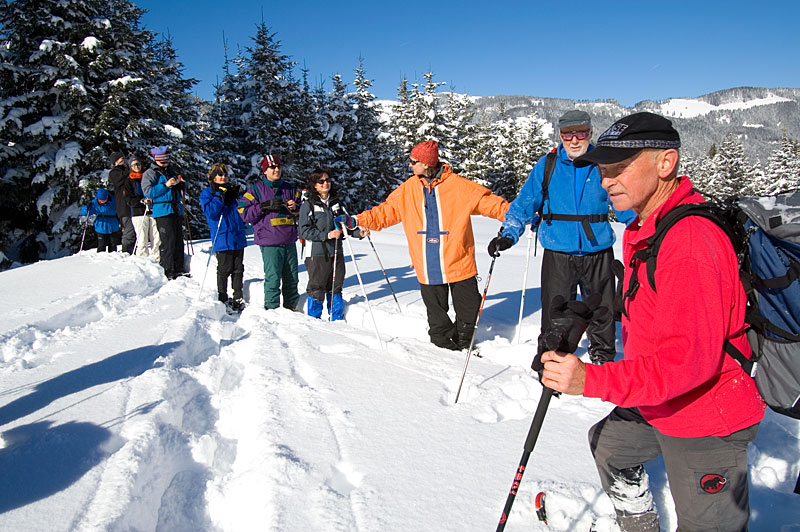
(580, 135)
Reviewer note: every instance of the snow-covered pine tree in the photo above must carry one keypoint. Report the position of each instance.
(701, 171)
(401, 129)
(77, 81)
(783, 168)
(227, 132)
(458, 116)
(502, 173)
(530, 144)
(731, 169)
(272, 101)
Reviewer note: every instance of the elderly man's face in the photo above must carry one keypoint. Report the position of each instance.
(639, 182)
(576, 140)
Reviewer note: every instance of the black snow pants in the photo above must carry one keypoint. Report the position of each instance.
(466, 302)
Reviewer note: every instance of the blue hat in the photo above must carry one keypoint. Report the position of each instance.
(102, 195)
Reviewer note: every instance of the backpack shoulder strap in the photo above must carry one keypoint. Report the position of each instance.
(549, 167)
(649, 254)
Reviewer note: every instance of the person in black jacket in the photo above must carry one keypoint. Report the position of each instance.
(322, 245)
(117, 179)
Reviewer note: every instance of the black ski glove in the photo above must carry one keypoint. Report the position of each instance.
(568, 322)
(219, 190)
(273, 205)
(232, 194)
(498, 244)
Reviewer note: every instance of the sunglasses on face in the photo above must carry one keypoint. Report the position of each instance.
(580, 135)
(273, 167)
(413, 162)
(136, 165)
(323, 181)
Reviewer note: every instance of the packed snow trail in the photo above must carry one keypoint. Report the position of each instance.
(127, 403)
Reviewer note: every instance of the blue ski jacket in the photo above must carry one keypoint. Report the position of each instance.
(166, 200)
(226, 217)
(572, 191)
(106, 221)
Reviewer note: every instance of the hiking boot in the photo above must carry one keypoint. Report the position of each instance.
(237, 304)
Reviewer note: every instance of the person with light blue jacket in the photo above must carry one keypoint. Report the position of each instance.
(574, 231)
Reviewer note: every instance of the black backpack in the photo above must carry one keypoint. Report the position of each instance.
(765, 233)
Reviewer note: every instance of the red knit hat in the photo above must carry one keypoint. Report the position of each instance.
(270, 160)
(426, 152)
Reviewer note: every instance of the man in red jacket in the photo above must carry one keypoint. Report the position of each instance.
(678, 394)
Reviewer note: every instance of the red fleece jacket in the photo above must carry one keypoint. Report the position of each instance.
(674, 369)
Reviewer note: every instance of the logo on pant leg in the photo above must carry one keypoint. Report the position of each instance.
(713, 483)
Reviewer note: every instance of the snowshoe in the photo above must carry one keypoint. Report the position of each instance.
(235, 306)
(541, 512)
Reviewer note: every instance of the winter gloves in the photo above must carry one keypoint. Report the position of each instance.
(498, 244)
(273, 205)
(568, 322)
(345, 220)
(228, 192)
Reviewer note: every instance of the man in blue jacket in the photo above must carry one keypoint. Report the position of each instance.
(574, 232)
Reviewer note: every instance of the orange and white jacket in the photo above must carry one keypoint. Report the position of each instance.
(436, 220)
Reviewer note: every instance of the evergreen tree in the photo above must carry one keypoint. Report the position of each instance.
(368, 153)
(460, 128)
(731, 169)
(701, 171)
(783, 168)
(272, 104)
(78, 79)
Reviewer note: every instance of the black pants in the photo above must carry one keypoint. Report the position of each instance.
(562, 274)
(107, 242)
(320, 276)
(230, 263)
(128, 233)
(170, 230)
(466, 302)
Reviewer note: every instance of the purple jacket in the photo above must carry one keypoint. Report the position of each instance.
(270, 228)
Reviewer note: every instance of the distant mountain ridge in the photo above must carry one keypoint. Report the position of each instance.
(757, 116)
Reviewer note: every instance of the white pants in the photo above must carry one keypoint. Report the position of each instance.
(147, 239)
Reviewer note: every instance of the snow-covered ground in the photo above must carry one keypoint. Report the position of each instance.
(129, 403)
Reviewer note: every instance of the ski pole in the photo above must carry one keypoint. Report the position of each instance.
(384, 273)
(189, 243)
(208, 262)
(85, 225)
(475, 330)
(363, 290)
(333, 280)
(530, 442)
(524, 286)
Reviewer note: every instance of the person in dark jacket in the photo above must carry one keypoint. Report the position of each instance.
(162, 183)
(575, 232)
(322, 245)
(219, 202)
(103, 212)
(272, 206)
(117, 179)
(147, 239)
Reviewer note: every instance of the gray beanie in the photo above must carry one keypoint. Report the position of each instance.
(574, 118)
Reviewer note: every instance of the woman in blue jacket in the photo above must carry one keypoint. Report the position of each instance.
(219, 202)
(104, 210)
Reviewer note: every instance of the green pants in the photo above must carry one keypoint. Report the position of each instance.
(280, 275)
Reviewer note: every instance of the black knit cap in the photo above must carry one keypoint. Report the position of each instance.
(115, 155)
(628, 136)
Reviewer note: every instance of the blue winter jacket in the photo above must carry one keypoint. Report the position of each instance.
(166, 200)
(226, 217)
(571, 191)
(106, 221)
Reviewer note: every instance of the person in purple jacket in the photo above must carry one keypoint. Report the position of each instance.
(272, 206)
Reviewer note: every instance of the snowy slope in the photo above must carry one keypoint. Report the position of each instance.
(128, 403)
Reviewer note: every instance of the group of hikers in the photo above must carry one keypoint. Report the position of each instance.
(677, 394)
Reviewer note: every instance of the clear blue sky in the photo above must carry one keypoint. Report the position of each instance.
(626, 50)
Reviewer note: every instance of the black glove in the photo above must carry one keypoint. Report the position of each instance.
(219, 190)
(568, 322)
(273, 205)
(498, 244)
(232, 194)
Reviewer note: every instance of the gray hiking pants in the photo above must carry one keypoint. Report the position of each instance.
(707, 476)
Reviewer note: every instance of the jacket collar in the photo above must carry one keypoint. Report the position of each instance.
(444, 172)
(685, 193)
